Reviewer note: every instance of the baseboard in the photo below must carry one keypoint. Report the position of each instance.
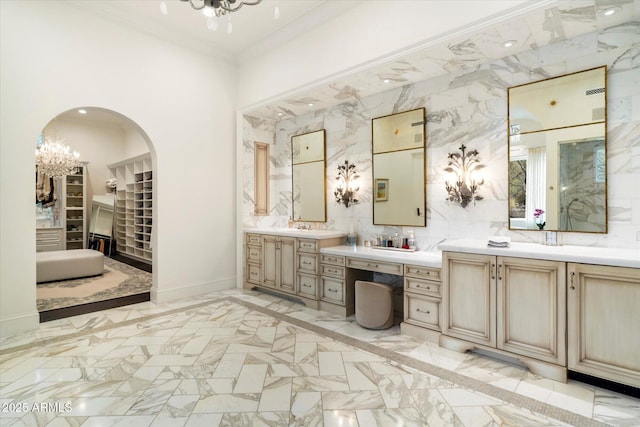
(174, 294)
(16, 325)
(91, 307)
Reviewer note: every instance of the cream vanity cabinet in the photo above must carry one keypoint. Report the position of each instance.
(336, 284)
(422, 301)
(604, 322)
(516, 306)
(288, 263)
(278, 263)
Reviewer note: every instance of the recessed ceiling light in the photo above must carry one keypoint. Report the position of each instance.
(610, 11)
(279, 114)
(82, 111)
(310, 104)
(509, 43)
(386, 81)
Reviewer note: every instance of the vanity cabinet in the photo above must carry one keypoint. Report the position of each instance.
(307, 255)
(278, 263)
(254, 259)
(286, 264)
(337, 293)
(516, 306)
(422, 297)
(604, 322)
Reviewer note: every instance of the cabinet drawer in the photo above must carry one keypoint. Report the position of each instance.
(379, 266)
(254, 254)
(308, 286)
(307, 245)
(307, 263)
(332, 259)
(254, 274)
(425, 287)
(418, 272)
(332, 290)
(254, 239)
(332, 270)
(422, 310)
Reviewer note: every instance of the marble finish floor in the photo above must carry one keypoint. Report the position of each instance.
(237, 358)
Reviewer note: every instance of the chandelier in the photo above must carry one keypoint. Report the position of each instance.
(55, 159)
(218, 8)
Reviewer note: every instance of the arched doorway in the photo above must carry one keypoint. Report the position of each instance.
(108, 205)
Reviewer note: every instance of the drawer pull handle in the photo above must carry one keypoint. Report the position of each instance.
(332, 271)
(424, 287)
(306, 286)
(306, 262)
(572, 287)
(372, 265)
(421, 311)
(332, 290)
(254, 273)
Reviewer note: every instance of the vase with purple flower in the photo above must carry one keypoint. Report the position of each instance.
(537, 215)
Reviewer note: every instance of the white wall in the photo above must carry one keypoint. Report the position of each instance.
(55, 58)
(134, 143)
(370, 32)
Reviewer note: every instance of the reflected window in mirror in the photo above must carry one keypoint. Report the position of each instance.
(557, 153)
(308, 166)
(398, 150)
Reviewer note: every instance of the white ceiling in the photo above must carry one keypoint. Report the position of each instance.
(256, 32)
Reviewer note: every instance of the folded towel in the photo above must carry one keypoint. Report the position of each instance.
(499, 241)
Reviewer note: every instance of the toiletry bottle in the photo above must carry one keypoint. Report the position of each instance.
(411, 241)
(290, 222)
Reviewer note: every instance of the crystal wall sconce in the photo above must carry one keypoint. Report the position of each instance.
(347, 188)
(465, 168)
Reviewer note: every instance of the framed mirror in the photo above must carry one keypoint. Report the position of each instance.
(308, 177)
(398, 150)
(557, 153)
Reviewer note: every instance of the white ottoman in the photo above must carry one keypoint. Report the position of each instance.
(63, 265)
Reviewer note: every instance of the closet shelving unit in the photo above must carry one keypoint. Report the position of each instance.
(75, 207)
(134, 207)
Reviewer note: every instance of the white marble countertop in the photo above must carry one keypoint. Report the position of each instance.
(618, 257)
(294, 232)
(421, 258)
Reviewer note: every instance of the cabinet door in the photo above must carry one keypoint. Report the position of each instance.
(470, 295)
(287, 277)
(271, 261)
(604, 322)
(531, 296)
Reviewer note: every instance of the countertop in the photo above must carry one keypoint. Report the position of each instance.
(420, 258)
(617, 257)
(294, 232)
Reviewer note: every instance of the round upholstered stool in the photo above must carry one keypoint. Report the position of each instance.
(374, 305)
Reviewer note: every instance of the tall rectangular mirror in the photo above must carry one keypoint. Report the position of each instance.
(398, 150)
(557, 153)
(308, 177)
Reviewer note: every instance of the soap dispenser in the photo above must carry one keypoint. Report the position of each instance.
(290, 222)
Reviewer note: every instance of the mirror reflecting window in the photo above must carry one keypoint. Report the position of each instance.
(308, 177)
(398, 146)
(557, 154)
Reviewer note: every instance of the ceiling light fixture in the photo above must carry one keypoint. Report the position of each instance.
(55, 159)
(82, 111)
(218, 8)
(509, 43)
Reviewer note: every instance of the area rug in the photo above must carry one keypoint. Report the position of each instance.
(118, 280)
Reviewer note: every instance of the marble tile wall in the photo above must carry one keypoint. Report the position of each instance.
(467, 106)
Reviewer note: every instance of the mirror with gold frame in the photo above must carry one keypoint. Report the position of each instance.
(398, 150)
(557, 153)
(308, 177)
